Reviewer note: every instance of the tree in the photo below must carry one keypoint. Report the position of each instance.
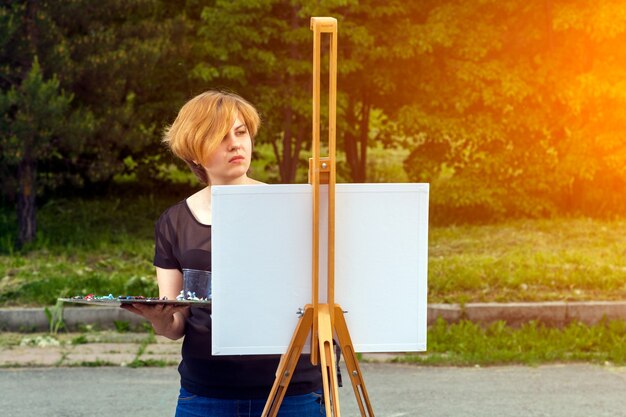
(120, 65)
(262, 49)
(518, 106)
(36, 118)
(255, 48)
(129, 63)
(372, 62)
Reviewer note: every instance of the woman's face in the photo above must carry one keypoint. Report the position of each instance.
(230, 162)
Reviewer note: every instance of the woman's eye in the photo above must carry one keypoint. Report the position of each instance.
(241, 132)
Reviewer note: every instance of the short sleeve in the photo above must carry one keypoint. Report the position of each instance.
(164, 239)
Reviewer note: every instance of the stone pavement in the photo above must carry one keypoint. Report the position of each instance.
(104, 348)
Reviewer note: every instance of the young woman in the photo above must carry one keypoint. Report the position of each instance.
(214, 134)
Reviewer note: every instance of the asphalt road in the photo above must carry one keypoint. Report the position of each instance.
(395, 391)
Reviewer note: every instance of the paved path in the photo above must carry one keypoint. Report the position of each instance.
(395, 390)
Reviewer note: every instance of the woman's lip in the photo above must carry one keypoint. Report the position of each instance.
(236, 158)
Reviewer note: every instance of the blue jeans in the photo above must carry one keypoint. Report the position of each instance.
(191, 405)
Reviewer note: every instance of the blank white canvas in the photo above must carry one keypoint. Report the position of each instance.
(261, 240)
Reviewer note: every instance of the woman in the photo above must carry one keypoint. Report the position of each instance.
(213, 134)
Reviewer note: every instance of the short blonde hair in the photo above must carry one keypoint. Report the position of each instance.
(203, 122)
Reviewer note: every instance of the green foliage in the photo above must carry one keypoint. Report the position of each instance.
(33, 113)
(106, 246)
(540, 260)
(80, 340)
(518, 107)
(372, 54)
(466, 344)
(8, 227)
(37, 126)
(95, 364)
(115, 60)
(509, 108)
(143, 363)
(139, 362)
(258, 60)
(385, 165)
(127, 61)
(121, 326)
(141, 285)
(55, 317)
(85, 246)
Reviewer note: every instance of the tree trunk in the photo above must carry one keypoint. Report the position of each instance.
(349, 140)
(296, 151)
(285, 160)
(289, 157)
(364, 134)
(26, 209)
(355, 144)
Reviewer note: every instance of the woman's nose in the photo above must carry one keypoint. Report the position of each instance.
(233, 144)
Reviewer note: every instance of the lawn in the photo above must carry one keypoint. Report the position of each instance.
(529, 260)
(469, 344)
(105, 246)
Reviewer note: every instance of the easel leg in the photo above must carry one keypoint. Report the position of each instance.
(352, 364)
(328, 365)
(288, 364)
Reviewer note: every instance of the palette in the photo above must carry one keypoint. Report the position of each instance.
(121, 301)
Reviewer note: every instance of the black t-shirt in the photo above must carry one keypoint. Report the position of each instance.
(183, 242)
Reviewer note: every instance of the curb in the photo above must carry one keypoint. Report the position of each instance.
(554, 313)
(34, 319)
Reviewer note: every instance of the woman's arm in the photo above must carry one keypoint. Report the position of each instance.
(170, 282)
(166, 320)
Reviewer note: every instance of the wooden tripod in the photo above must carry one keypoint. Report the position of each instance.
(322, 319)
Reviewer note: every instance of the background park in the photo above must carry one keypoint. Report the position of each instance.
(514, 111)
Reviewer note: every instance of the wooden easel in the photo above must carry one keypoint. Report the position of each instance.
(322, 320)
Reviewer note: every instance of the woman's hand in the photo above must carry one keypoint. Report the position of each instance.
(167, 320)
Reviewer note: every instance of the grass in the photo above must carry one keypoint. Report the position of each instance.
(469, 344)
(97, 246)
(529, 260)
(104, 246)
(460, 344)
